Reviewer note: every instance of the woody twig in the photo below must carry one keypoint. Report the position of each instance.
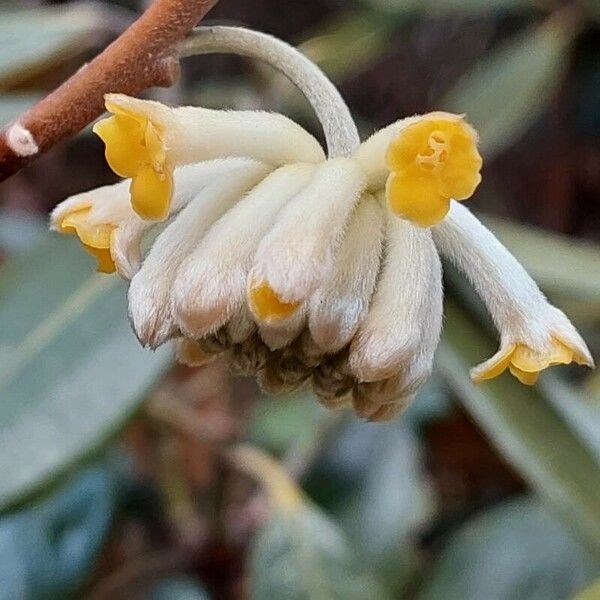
(144, 56)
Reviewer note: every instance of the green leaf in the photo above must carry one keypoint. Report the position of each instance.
(518, 550)
(302, 555)
(524, 426)
(71, 370)
(509, 88)
(33, 41)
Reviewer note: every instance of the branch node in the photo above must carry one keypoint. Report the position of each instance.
(21, 141)
(169, 71)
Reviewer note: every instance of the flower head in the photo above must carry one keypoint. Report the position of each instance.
(305, 268)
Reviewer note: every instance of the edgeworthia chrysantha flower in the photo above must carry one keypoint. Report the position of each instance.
(305, 265)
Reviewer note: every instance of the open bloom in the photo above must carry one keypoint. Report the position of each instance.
(432, 162)
(146, 140)
(534, 334)
(301, 266)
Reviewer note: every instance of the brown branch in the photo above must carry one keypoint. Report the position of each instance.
(143, 56)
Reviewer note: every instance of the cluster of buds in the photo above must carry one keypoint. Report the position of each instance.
(301, 265)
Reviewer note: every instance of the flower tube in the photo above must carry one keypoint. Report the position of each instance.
(534, 334)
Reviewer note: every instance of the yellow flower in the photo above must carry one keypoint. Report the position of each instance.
(525, 364)
(432, 160)
(95, 238)
(134, 148)
(267, 305)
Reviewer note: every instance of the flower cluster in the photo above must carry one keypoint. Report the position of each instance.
(304, 267)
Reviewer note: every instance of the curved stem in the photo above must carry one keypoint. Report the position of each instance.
(340, 130)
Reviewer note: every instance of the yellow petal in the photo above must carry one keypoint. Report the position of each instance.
(102, 255)
(92, 234)
(562, 355)
(154, 145)
(495, 365)
(151, 193)
(409, 143)
(460, 174)
(95, 237)
(577, 356)
(525, 377)
(123, 137)
(267, 305)
(527, 360)
(439, 153)
(416, 198)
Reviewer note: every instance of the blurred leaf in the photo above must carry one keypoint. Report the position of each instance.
(33, 41)
(559, 263)
(565, 268)
(510, 87)
(47, 551)
(341, 47)
(592, 387)
(71, 370)
(433, 403)
(592, 8)
(281, 421)
(20, 231)
(526, 429)
(299, 554)
(12, 105)
(392, 501)
(178, 588)
(349, 43)
(516, 551)
(303, 555)
(590, 593)
(451, 6)
(575, 408)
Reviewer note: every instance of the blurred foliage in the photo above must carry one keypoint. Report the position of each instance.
(529, 433)
(279, 422)
(48, 550)
(36, 41)
(515, 550)
(531, 65)
(299, 553)
(444, 6)
(377, 524)
(178, 588)
(302, 555)
(71, 372)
